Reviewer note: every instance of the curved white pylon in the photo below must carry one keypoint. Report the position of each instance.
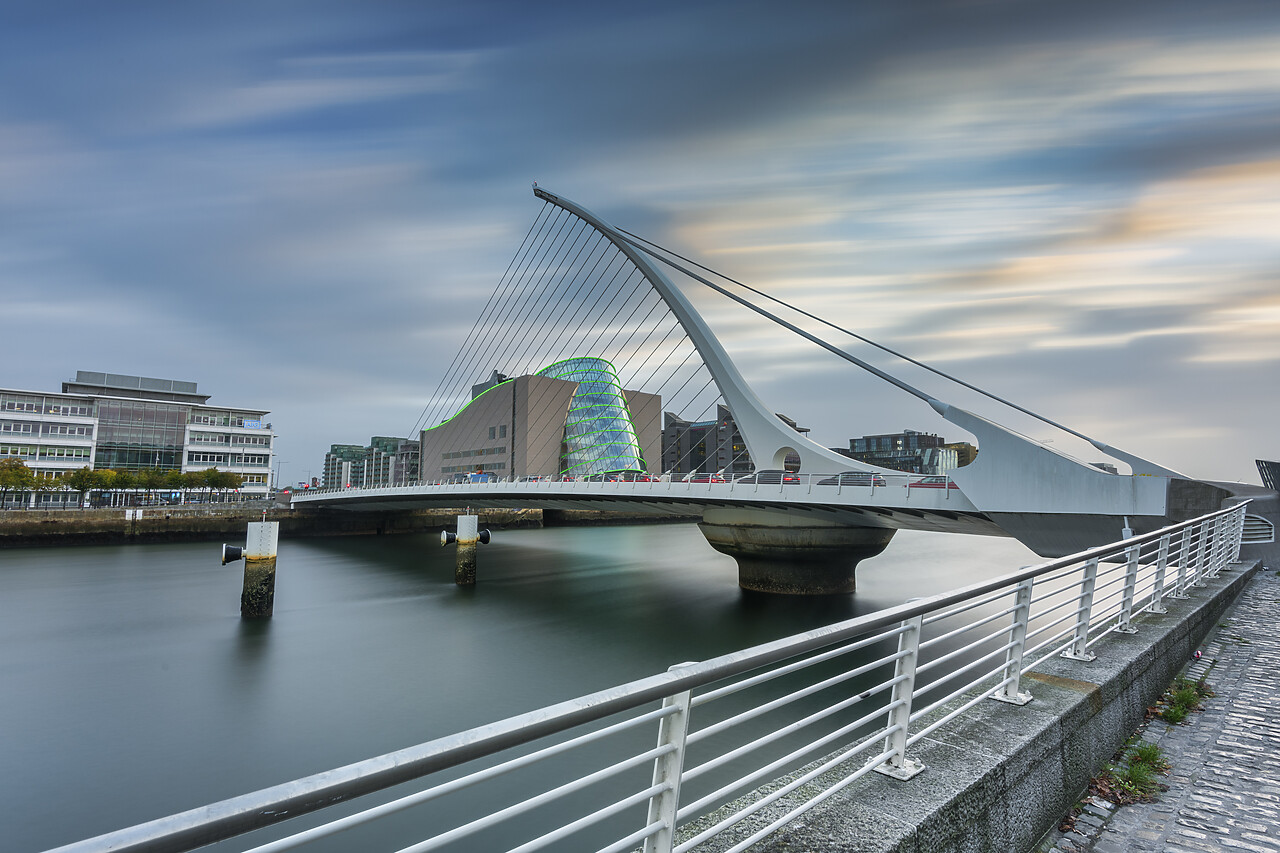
(768, 439)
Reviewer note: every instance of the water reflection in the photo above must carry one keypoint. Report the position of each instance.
(132, 661)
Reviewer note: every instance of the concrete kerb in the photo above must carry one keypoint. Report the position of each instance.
(1000, 777)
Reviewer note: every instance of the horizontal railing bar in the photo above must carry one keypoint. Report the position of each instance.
(419, 797)
(916, 714)
(587, 820)
(1004, 629)
(1042, 628)
(804, 807)
(942, 721)
(956, 611)
(515, 809)
(743, 684)
(777, 734)
(629, 843)
(773, 796)
(774, 704)
(1069, 594)
(778, 763)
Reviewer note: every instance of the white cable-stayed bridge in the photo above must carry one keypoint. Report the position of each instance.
(583, 292)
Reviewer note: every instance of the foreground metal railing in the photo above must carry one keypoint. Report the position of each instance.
(852, 695)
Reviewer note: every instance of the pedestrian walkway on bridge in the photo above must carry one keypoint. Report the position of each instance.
(1224, 784)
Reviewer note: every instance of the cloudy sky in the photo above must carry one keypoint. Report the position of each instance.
(303, 206)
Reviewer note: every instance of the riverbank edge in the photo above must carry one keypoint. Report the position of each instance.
(1000, 777)
(53, 528)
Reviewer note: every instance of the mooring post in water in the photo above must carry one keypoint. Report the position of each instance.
(467, 538)
(258, 596)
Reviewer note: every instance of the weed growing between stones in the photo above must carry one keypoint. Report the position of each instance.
(1183, 697)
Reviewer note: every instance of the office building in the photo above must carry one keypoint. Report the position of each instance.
(122, 422)
(910, 451)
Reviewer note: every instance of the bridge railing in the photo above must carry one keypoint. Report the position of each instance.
(663, 762)
(838, 483)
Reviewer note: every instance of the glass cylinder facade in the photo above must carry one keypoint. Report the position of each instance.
(599, 436)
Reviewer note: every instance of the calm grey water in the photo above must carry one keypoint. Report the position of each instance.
(130, 688)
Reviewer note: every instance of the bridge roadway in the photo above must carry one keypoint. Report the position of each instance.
(899, 504)
(806, 535)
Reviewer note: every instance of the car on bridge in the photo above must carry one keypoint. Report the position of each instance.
(934, 482)
(785, 478)
(854, 478)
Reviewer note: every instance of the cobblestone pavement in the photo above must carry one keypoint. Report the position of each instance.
(1224, 785)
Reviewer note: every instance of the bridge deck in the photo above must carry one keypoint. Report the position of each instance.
(898, 503)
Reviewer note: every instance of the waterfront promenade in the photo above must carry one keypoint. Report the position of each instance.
(1224, 784)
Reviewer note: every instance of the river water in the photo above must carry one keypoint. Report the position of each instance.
(130, 688)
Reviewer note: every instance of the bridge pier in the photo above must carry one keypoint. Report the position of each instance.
(777, 552)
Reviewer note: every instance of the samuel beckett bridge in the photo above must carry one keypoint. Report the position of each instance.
(587, 341)
(589, 347)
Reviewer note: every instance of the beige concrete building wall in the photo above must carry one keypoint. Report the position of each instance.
(531, 410)
(541, 406)
(646, 415)
(462, 443)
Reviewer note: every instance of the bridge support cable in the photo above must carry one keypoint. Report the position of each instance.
(472, 351)
(571, 291)
(1139, 464)
(499, 290)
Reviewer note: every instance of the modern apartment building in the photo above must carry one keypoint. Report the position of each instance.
(385, 461)
(108, 420)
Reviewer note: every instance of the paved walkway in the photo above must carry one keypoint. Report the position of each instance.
(1224, 786)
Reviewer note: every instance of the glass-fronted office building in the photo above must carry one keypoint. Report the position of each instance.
(118, 421)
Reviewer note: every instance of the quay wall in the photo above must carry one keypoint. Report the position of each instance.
(27, 528)
(999, 777)
(22, 528)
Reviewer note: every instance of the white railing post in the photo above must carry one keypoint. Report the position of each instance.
(1130, 585)
(1079, 644)
(898, 765)
(1162, 564)
(1184, 557)
(1199, 553)
(1214, 546)
(1237, 536)
(667, 770)
(1018, 637)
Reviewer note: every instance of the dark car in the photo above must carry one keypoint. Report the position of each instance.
(770, 477)
(854, 478)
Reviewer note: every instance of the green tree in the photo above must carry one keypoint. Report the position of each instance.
(151, 479)
(82, 480)
(15, 476)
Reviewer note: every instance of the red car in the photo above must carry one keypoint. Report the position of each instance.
(938, 482)
(773, 477)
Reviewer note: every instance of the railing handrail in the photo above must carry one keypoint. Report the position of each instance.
(268, 806)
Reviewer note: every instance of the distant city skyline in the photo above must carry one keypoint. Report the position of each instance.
(305, 206)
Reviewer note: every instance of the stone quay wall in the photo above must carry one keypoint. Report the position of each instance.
(22, 528)
(26, 528)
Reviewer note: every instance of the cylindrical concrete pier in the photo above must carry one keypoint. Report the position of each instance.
(796, 556)
(258, 596)
(468, 538)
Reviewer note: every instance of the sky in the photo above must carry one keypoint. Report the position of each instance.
(304, 206)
